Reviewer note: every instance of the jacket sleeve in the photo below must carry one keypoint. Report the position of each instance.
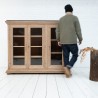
(78, 29)
(58, 33)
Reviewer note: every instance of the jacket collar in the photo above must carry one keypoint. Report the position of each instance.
(69, 13)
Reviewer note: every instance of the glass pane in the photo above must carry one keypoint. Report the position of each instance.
(36, 41)
(36, 61)
(36, 51)
(18, 61)
(36, 31)
(55, 47)
(18, 51)
(18, 31)
(53, 33)
(56, 59)
(18, 41)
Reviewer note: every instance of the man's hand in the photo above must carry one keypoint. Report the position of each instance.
(59, 44)
(80, 42)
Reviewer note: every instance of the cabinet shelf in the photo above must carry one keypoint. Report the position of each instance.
(36, 56)
(18, 46)
(56, 52)
(53, 39)
(35, 46)
(18, 56)
(18, 36)
(36, 36)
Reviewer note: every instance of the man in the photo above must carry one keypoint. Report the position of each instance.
(67, 33)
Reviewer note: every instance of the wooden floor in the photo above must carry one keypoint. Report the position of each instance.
(48, 85)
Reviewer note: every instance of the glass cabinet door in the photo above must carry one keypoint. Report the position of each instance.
(36, 53)
(55, 51)
(18, 46)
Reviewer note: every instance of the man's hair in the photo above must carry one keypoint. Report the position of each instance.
(68, 8)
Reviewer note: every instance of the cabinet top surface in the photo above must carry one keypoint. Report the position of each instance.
(31, 21)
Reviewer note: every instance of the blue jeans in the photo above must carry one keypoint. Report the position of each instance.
(67, 49)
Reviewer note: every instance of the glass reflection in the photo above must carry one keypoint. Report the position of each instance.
(36, 51)
(36, 31)
(55, 47)
(18, 31)
(18, 61)
(18, 51)
(36, 41)
(56, 59)
(53, 33)
(36, 61)
(18, 41)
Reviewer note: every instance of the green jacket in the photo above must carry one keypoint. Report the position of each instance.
(68, 30)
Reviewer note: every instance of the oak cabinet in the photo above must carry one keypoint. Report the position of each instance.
(32, 47)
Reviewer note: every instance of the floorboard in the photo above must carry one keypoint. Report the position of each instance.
(48, 85)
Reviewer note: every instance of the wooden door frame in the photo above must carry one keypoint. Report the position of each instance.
(51, 67)
(10, 47)
(36, 67)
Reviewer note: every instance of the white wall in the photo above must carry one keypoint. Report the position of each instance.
(86, 10)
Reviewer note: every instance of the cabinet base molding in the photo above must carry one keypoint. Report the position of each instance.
(34, 71)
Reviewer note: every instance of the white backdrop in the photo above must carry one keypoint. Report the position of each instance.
(86, 10)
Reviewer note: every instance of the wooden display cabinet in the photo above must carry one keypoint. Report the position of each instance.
(32, 47)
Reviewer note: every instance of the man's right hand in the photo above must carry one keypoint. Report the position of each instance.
(59, 44)
(80, 42)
